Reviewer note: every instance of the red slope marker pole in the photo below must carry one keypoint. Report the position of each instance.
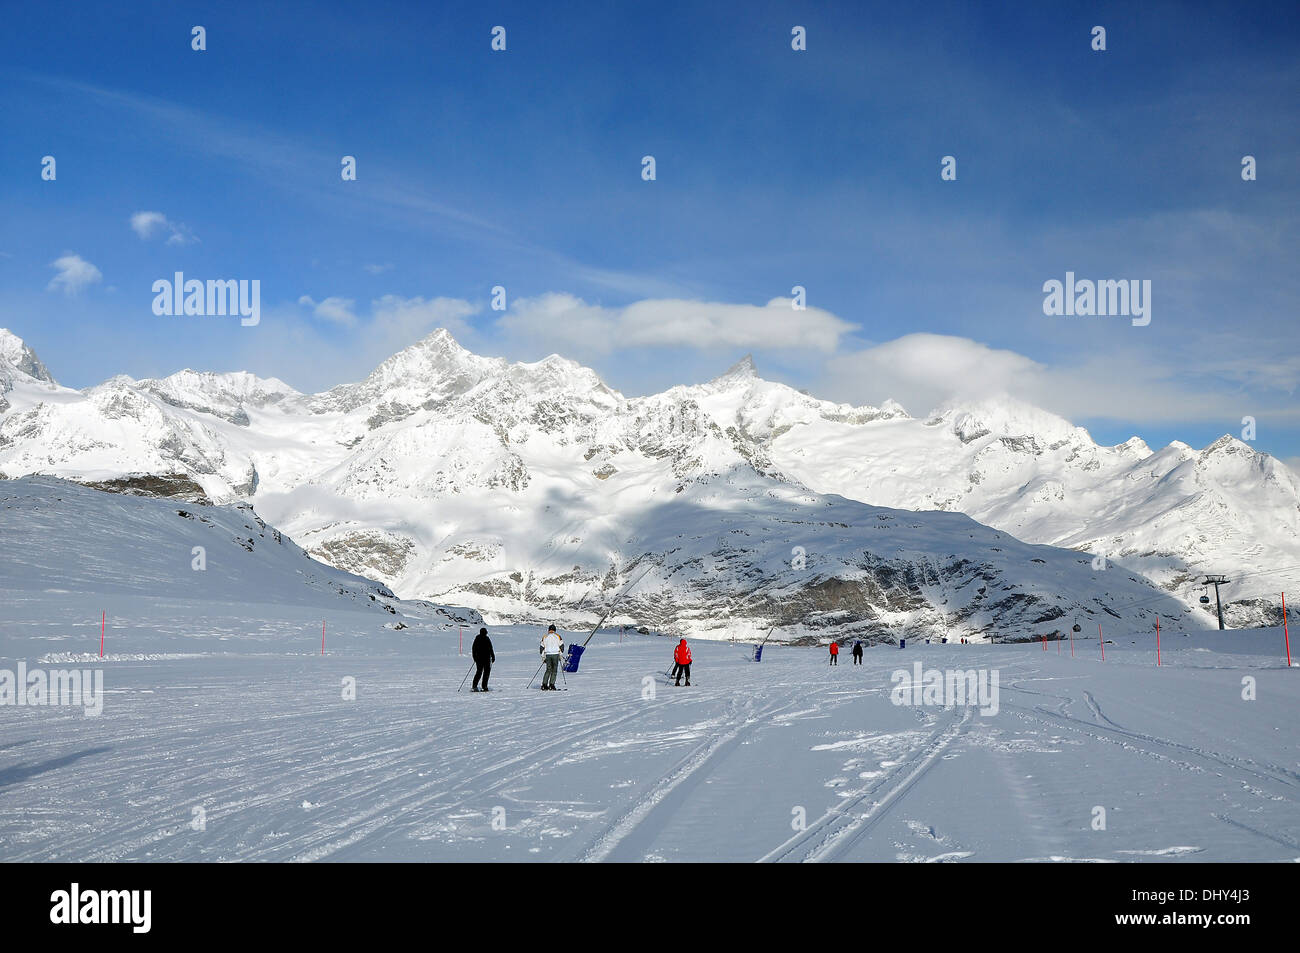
(1157, 640)
(1102, 639)
(1072, 643)
(322, 636)
(103, 621)
(1285, 633)
(1043, 639)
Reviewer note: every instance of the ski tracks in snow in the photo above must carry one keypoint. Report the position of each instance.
(833, 835)
(1152, 745)
(651, 812)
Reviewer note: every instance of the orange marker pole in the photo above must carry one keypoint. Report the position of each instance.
(1285, 633)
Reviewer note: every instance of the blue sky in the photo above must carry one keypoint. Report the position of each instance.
(775, 168)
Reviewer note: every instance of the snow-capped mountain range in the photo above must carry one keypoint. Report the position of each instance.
(532, 489)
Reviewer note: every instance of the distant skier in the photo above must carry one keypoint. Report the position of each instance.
(682, 656)
(550, 649)
(835, 652)
(857, 652)
(484, 657)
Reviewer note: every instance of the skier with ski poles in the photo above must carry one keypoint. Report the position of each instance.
(484, 657)
(857, 652)
(550, 649)
(835, 652)
(682, 656)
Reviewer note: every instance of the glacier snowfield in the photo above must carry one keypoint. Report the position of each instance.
(225, 735)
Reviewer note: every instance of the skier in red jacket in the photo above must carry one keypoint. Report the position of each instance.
(682, 656)
(835, 653)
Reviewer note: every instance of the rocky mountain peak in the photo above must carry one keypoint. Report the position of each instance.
(16, 353)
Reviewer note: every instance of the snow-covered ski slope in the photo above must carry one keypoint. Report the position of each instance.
(139, 558)
(246, 749)
(225, 734)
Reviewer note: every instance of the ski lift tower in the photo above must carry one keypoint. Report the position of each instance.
(1216, 582)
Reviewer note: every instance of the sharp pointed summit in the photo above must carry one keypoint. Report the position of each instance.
(743, 369)
(16, 353)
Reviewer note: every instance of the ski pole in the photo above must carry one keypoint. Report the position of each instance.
(462, 681)
(539, 668)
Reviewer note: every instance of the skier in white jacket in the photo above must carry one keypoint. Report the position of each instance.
(551, 648)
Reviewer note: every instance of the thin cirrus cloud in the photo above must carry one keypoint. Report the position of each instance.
(152, 224)
(73, 274)
(567, 322)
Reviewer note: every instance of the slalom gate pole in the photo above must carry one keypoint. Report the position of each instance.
(1157, 640)
(103, 621)
(462, 681)
(1072, 643)
(1102, 639)
(1285, 633)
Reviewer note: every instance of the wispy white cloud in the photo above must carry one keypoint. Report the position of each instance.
(73, 274)
(378, 269)
(568, 323)
(396, 320)
(922, 371)
(337, 310)
(149, 224)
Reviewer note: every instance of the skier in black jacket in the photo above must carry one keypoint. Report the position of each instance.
(483, 656)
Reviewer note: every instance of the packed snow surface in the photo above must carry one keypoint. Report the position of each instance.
(227, 736)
